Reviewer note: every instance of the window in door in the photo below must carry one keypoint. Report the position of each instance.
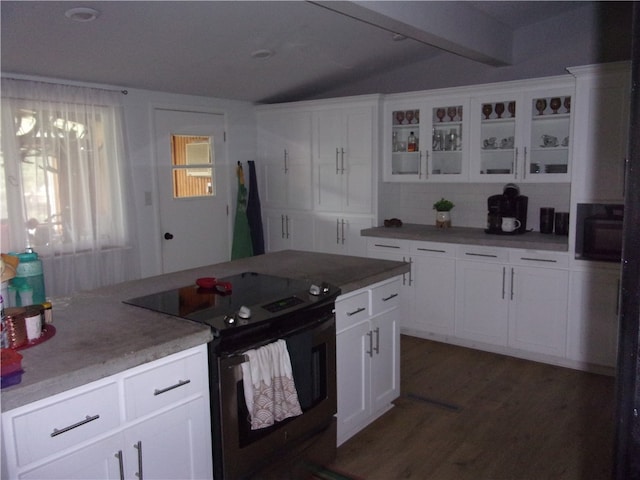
(192, 166)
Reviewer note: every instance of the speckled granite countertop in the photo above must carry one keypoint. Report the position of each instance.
(97, 335)
(470, 236)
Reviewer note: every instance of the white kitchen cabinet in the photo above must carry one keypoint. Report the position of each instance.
(516, 299)
(601, 132)
(284, 154)
(341, 234)
(522, 134)
(107, 429)
(344, 158)
(288, 230)
(367, 354)
(593, 315)
(440, 126)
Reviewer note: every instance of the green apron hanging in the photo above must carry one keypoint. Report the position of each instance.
(241, 247)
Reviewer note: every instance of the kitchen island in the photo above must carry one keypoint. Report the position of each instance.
(97, 335)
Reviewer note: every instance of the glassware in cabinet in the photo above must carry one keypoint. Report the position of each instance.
(405, 144)
(497, 141)
(550, 130)
(447, 145)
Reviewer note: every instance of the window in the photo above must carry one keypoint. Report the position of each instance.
(192, 166)
(63, 182)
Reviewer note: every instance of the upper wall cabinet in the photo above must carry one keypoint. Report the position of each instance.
(345, 156)
(485, 133)
(601, 131)
(284, 151)
(426, 140)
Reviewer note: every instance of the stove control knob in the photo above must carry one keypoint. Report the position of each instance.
(244, 312)
(314, 290)
(229, 320)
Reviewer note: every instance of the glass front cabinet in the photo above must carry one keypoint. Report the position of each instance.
(521, 136)
(505, 133)
(426, 141)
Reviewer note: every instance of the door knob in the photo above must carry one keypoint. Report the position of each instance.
(168, 236)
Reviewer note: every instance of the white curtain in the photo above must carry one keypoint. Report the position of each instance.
(66, 186)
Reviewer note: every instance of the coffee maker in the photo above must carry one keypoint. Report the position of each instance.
(509, 204)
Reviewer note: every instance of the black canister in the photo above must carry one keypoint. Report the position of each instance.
(562, 223)
(546, 219)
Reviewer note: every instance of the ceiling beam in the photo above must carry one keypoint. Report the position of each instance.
(452, 26)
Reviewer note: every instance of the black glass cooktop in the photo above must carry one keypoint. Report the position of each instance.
(265, 297)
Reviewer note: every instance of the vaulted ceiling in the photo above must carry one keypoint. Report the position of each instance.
(259, 51)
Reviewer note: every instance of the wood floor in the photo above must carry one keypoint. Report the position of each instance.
(465, 414)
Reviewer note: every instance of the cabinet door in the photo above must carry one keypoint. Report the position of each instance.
(284, 146)
(481, 302)
(538, 309)
(446, 146)
(601, 133)
(341, 234)
(385, 359)
(434, 283)
(288, 230)
(497, 145)
(593, 316)
(401, 162)
(173, 445)
(98, 461)
(275, 231)
(353, 347)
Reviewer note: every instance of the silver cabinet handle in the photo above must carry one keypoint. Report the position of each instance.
(337, 220)
(342, 161)
(286, 156)
(393, 295)
(512, 274)
(87, 419)
(180, 383)
(503, 279)
(342, 223)
(531, 259)
(138, 446)
(377, 349)
(337, 166)
(370, 335)
(487, 255)
(356, 311)
(286, 224)
(282, 224)
(120, 464)
(434, 250)
(385, 246)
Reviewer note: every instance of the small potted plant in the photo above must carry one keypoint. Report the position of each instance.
(443, 213)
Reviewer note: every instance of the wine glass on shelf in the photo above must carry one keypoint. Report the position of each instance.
(567, 104)
(487, 110)
(400, 117)
(417, 116)
(541, 104)
(451, 111)
(460, 113)
(512, 108)
(555, 103)
(440, 113)
(409, 116)
(499, 109)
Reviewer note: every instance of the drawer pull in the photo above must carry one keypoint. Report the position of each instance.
(377, 347)
(480, 255)
(120, 463)
(164, 390)
(138, 446)
(548, 260)
(435, 250)
(87, 419)
(393, 295)
(385, 246)
(361, 309)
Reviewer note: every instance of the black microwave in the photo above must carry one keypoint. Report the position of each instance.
(599, 231)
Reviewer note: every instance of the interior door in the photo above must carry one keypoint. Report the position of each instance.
(195, 227)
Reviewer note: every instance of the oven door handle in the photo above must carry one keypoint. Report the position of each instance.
(234, 361)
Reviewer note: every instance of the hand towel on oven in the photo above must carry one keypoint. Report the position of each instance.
(269, 390)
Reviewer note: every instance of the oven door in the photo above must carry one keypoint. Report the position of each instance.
(602, 239)
(242, 450)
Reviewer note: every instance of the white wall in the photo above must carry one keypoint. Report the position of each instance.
(138, 110)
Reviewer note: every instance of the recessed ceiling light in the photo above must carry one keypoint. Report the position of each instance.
(264, 53)
(82, 14)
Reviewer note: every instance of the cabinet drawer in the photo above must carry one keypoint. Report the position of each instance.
(388, 245)
(536, 258)
(352, 309)
(483, 254)
(63, 421)
(164, 382)
(385, 296)
(433, 248)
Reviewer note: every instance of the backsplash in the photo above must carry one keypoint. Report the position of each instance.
(412, 202)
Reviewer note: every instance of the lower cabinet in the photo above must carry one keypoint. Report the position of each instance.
(340, 234)
(368, 355)
(98, 432)
(288, 230)
(593, 319)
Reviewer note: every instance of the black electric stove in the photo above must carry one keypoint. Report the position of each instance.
(240, 302)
